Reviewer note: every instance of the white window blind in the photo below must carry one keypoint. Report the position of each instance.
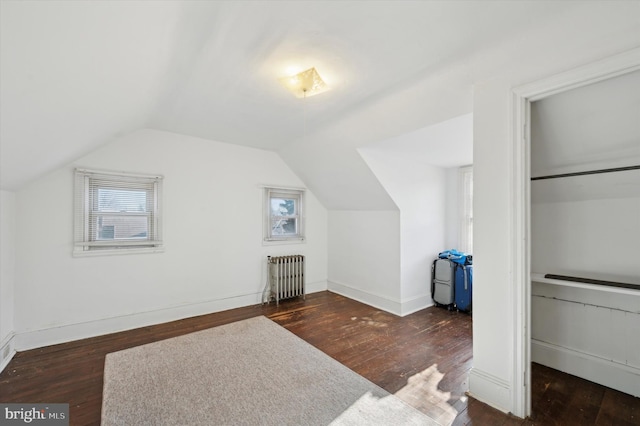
(116, 212)
(284, 220)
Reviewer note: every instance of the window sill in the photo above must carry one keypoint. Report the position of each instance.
(116, 252)
(276, 242)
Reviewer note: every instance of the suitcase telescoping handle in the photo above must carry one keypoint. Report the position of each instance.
(464, 269)
(464, 276)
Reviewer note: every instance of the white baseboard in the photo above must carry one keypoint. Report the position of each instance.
(7, 350)
(316, 287)
(32, 339)
(396, 307)
(490, 389)
(415, 304)
(624, 378)
(380, 302)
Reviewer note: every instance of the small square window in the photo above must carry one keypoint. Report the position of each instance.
(283, 214)
(116, 212)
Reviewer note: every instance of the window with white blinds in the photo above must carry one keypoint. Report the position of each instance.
(283, 215)
(116, 212)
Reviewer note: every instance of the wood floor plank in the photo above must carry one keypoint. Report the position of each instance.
(618, 409)
(425, 357)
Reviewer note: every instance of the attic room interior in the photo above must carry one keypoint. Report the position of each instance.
(158, 175)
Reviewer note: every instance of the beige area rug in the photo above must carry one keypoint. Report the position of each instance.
(251, 372)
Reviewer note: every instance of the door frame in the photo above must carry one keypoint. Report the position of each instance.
(521, 98)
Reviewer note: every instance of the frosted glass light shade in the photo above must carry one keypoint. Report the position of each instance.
(304, 84)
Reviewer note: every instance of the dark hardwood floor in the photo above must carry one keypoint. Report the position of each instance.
(423, 358)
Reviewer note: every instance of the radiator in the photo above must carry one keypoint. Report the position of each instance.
(286, 277)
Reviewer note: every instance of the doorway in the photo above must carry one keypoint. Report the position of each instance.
(521, 221)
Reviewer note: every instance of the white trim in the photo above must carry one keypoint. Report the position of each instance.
(31, 339)
(520, 258)
(117, 173)
(520, 229)
(299, 195)
(603, 69)
(288, 188)
(7, 345)
(397, 307)
(83, 212)
(117, 252)
(415, 304)
(494, 390)
(624, 378)
(283, 242)
(121, 243)
(463, 237)
(316, 286)
(377, 301)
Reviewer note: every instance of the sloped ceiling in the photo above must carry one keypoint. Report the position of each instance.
(590, 127)
(77, 74)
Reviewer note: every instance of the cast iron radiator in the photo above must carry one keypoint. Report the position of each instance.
(286, 277)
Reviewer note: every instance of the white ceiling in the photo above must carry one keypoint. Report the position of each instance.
(78, 74)
(446, 144)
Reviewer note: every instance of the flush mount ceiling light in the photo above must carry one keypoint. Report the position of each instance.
(304, 84)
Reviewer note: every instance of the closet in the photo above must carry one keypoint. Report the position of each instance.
(585, 232)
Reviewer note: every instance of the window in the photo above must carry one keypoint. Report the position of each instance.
(466, 209)
(116, 213)
(284, 220)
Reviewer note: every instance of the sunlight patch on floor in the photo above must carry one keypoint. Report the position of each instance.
(422, 393)
(389, 410)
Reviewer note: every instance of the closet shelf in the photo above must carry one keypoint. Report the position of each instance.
(631, 289)
(588, 172)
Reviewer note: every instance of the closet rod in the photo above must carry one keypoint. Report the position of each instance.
(592, 281)
(589, 172)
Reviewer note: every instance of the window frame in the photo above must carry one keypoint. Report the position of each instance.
(87, 185)
(465, 200)
(297, 194)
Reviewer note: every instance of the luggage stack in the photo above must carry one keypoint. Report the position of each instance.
(452, 278)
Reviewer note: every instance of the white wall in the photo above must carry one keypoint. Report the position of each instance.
(491, 376)
(7, 274)
(214, 256)
(591, 238)
(594, 33)
(419, 191)
(422, 219)
(415, 169)
(364, 257)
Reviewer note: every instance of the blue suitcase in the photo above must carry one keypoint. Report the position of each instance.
(463, 285)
